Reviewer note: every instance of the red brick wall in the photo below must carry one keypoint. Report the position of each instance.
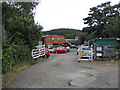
(47, 42)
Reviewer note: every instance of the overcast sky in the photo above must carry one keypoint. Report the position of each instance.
(52, 14)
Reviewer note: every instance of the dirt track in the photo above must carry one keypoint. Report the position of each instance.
(63, 70)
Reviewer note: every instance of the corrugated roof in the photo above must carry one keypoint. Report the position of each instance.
(71, 39)
(46, 35)
(49, 35)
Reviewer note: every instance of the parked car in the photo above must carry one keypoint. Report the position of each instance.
(67, 48)
(77, 47)
(52, 50)
(51, 47)
(55, 46)
(47, 53)
(60, 50)
(73, 46)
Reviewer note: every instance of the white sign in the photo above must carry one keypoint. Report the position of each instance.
(99, 54)
(99, 48)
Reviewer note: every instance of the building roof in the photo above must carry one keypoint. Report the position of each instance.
(103, 39)
(49, 35)
(71, 39)
(46, 35)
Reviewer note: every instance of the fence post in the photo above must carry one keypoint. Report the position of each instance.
(95, 56)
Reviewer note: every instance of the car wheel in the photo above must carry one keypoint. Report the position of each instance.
(55, 52)
(65, 52)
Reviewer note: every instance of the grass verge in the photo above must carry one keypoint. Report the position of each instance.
(16, 70)
(9, 76)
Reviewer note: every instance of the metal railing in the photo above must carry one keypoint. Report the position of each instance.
(40, 51)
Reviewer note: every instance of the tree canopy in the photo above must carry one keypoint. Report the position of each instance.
(21, 32)
(100, 18)
(68, 33)
(103, 21)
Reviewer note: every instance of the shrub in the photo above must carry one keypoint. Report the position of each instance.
(13, 54)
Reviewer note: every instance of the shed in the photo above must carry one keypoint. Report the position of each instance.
(104, 41)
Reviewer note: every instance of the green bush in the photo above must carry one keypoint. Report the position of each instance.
(21, 35)
(13, 54)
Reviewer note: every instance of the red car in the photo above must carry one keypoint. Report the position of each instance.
(60, 50)
(47, 53)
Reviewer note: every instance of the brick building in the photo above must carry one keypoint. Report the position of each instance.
(53, 40)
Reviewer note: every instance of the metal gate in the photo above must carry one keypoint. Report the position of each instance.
(40, 51)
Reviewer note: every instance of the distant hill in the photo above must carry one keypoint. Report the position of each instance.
(67, 33)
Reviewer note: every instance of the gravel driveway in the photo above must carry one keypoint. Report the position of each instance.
(63, 70)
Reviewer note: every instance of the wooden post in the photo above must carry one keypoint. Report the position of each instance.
(95, 56)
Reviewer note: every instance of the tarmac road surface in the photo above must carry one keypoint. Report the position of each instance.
(63, 71)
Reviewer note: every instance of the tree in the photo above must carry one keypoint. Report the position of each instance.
(83, 36)
(22, 35)
(19, 26)
(25, 8)
(66, 32)
(113, 29)
(98, 17)
(23, 30)
(16, 9)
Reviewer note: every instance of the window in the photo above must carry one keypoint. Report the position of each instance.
(61, 39)
(58, 39)
(52, 39)
(58, 48)
(55, 39)
(49, 39)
